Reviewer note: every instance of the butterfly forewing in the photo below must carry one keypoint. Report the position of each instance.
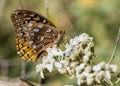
(20, 17)
(34, 34)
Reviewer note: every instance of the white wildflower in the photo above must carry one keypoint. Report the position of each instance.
(99, 66)
(58, 65)
(51, 60)
(102, 64)
(41, 74)
(85, 73)
(69, 70)
(97, 79)
(67, 52)
(88, 68)
(99, 76)
(107, 75)
(76, 60)
(82, 66)
(39, 67)
(73, 64)
(49, 67)
(80, 80)
(85, 58)
(89, 79)
(113, 68)
(82, 37)
(96, 68)
(79, 69)
(88, 53)
(65, 62)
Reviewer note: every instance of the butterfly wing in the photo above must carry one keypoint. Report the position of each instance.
(34, 33)
(21, 17)
(42, 36)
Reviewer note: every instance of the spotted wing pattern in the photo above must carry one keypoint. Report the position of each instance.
(34, 34)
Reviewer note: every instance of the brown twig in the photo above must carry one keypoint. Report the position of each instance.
(21, 5)
(23, 67)
(2, 6)
(46, 7)
(114, 50)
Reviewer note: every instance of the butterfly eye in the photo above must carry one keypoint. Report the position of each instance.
(62, 32)
(34, 34)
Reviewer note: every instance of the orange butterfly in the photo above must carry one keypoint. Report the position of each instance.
(34, 34)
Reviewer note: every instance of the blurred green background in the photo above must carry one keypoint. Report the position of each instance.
(98, 18)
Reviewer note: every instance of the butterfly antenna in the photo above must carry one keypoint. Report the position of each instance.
(21, 4)
(68, 37)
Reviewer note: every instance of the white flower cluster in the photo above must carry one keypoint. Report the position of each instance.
(95, 74)
(77, 61)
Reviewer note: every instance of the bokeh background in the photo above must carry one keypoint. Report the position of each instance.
(98, 18)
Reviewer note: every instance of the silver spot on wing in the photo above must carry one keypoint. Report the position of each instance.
(40, 26)
(48, 30)
(42, 38)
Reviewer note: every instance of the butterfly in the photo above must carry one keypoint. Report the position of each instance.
(34, 34)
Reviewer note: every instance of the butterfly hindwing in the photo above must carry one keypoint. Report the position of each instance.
(41, 36)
